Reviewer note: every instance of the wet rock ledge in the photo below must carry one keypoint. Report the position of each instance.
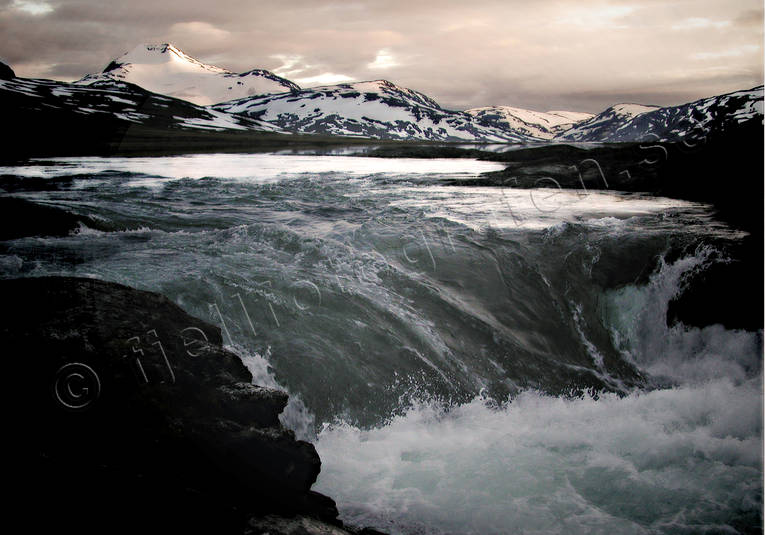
(131, 417)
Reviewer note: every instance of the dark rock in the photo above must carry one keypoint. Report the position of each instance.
(113, 66)
(135, 418)
(13, 184)
(20, 218)
(6, 73)
(729, 292)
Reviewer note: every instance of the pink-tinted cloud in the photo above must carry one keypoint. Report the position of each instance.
(546, 54)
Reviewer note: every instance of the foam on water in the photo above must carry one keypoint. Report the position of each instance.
(662, 461)
(685, 459)
(677, 354)
(529, 209)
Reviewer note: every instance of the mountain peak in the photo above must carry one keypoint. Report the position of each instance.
(163, 48)
(387, 87)
(152, 54)
(160, 48)
(165, 68)
(6, 73)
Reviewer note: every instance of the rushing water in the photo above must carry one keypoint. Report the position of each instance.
(466, 360)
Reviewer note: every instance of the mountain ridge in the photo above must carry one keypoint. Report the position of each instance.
(122, 101)
(375, 109)
(137, 65)
(672, 123)
(543, 125)
(166, 69)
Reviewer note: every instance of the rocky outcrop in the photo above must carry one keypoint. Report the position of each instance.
(135, 418)
(20, 218)
(6, 73)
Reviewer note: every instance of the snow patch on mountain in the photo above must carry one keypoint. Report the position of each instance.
(542, 125)
(631, 110)
(167, 70)
(374, 109)
(694, 120)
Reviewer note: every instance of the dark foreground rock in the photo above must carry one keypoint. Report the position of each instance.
(132, 418)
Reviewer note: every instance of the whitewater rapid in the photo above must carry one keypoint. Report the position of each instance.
(685, 458)
(466, 359)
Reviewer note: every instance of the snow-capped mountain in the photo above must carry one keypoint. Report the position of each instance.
(713, 115)
(381, 110)
(156, 85)
(603, 125)
(542, 125)
(167, 70)
(633, 122)
(376, 109)
(116, 102)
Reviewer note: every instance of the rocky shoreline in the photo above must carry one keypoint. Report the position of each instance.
(135, 419)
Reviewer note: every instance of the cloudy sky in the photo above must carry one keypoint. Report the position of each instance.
(542, 54)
